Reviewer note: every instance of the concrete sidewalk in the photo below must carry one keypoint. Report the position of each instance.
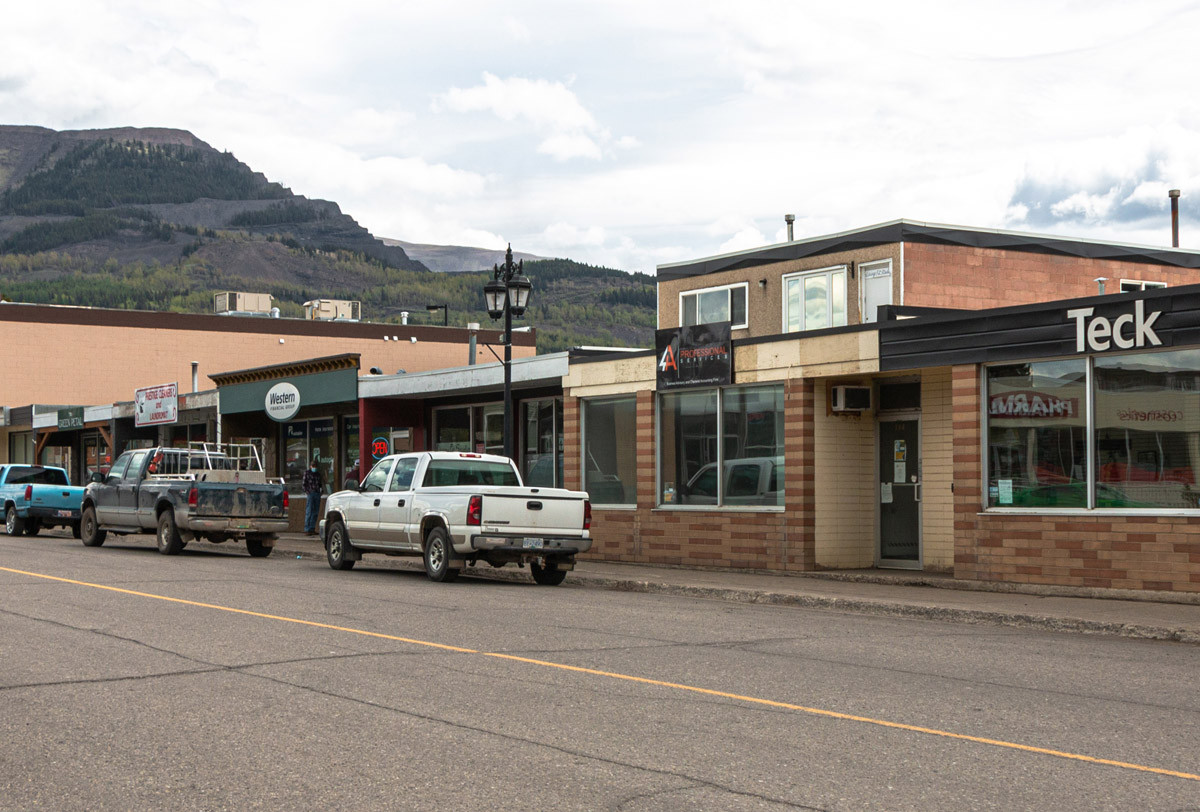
(1149, 615)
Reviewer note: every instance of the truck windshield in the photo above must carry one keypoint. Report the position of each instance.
(443, 473)
(37, 476)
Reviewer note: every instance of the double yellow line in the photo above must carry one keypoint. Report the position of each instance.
(630, 678)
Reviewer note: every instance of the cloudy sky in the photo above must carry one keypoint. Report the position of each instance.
(630, 134)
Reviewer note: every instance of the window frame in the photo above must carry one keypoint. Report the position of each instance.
(722, 461)
(828, 272)
(1141, 285)
(1090, 436)
(744, 286)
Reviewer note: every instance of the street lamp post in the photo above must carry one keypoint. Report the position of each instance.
(445, 312)
(507, 295)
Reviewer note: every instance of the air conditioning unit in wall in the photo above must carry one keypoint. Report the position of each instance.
(850, 398)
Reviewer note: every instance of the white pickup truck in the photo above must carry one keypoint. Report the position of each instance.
(455, 509)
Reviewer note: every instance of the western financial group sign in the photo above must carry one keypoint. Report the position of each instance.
(700, 355)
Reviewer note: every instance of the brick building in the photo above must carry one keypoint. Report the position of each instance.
(849, 431)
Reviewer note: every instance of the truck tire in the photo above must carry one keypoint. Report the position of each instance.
(14, 525)
(89, 529)
(437, 556)
(168, 538)
(337, 547)
(548, 575)
(257, 546)
(32, 526)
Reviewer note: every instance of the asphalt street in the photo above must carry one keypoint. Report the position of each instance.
(211, 680)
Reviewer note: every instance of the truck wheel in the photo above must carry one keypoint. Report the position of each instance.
(437, 556)
(337, 547)
(32, 526)
(89, 529)
(548, 575)
(257, 547)
(14, 525)
(169, 540)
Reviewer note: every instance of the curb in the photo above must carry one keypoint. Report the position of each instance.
(837, 604)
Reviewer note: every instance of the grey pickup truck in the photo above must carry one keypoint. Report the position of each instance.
(215, 493)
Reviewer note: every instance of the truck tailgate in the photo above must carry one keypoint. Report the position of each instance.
(534, 514)
(239, 501)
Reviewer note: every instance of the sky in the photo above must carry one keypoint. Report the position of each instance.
(632, 134)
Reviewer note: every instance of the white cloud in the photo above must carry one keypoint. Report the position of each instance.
(673, 131)
(550, 107)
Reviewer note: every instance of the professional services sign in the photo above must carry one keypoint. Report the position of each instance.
(700, 355)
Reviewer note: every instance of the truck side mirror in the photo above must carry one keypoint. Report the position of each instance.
(97, 476)
(351, 484)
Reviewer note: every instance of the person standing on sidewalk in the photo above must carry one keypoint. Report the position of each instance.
(313, 486)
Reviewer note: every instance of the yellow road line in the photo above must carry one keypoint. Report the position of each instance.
(630, 678)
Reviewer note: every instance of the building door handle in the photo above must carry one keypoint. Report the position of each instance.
(917, 492)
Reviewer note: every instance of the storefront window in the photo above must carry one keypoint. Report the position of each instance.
(20, 448)
(722, 448)
(1037, 425)
(322, 446)
(295, 455)
(753, 430)
(610, 450)
(470, 428)
(1148, 430)
(351, 464)
(453, 430)
(541, 437)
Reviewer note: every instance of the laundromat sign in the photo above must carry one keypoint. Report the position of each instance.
(282, 401)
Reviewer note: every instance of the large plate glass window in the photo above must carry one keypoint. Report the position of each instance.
(1037, 429)
(752, 423)
(20, 448)
(721, 448)
(814, 300)
(712, 305)
(1148, 430)
(610, 450)
(351, 464)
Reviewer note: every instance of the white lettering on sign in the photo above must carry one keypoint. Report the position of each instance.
(282, 401)
(1032, 404)
(1098, 334)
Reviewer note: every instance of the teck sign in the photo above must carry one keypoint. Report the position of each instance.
(1098, 334)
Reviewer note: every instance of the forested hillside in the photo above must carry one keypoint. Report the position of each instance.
(113, 222)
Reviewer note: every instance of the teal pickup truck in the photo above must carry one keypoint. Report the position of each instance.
(37, 496)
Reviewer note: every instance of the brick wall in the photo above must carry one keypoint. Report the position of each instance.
(716, 538)
(1118, 552)
(977, 278)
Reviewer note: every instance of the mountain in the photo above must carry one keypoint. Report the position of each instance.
(157, 219)
(457, 258)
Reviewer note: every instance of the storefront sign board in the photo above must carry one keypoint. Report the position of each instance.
(70, 418)
(282, 401)
(156, 405)
(700, 355)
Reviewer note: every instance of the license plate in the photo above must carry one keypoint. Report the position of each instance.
(65, 513)
(532, 544)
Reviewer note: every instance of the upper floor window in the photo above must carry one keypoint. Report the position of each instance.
(726, 303)
(813, 300)
(1128, 285)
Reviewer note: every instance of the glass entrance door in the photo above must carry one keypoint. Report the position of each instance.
(899, 494)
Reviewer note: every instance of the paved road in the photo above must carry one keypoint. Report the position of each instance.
(215, 681)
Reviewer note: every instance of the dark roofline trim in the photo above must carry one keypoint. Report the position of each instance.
(146, 319)
(914, 232)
